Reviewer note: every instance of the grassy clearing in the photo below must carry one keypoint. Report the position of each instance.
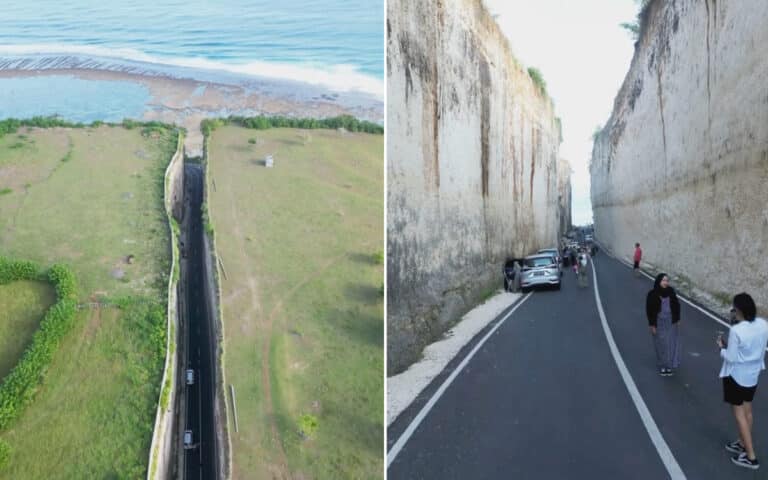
(23, 305)
(93, 415)
(303, 317)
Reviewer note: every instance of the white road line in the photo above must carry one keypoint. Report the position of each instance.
(689, 302)
(406, 435)
(673, 468)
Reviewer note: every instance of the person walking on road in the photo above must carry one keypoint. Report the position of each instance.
(743, 358)
(582, 269)
(663, 310)
(637, 258)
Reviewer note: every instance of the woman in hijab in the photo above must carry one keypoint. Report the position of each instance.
(663, 310)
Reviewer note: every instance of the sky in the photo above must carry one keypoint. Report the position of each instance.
(583, 55)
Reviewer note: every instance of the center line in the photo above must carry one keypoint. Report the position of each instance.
(673, 468)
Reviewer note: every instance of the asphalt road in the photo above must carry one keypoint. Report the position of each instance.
(543, 398)
(200, 462)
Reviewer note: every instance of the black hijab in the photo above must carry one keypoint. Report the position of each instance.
(661, 291)
(653, 301)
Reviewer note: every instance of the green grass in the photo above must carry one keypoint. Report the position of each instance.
(93, 415)
(300, 246)
(23, 305)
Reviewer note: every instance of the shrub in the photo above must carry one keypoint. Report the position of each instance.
(538, 79)
(308, 425)
(262, 122)
(5, 454)
(378, 258)
(19, 386)
(252, 141)
(5, 191)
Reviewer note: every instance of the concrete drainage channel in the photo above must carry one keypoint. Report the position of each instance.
(198, 447)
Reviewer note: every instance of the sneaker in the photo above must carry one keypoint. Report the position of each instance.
(735, 447)
(743, 461)
(663, 372)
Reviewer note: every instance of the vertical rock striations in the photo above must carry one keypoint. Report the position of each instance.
(472, 159)
(682, 165)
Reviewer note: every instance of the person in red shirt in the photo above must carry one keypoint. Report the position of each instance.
(638, 256)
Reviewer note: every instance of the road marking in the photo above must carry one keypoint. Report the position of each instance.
(406, 435)
(673, 468)
(689, 302)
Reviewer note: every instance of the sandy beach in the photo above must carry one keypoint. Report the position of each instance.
(186, 101)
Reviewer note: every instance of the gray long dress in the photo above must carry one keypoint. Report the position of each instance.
(666, 341)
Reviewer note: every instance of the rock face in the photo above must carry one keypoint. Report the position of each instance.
(565, 194)
(682, 164)
(472, 167)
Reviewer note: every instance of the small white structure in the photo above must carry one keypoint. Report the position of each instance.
(269, 162)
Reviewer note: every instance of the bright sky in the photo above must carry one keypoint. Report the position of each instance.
(583, 54)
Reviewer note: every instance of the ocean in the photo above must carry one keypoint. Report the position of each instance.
(330, 45)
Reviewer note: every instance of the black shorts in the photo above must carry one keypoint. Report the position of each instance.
(735, 394)
(637, 265)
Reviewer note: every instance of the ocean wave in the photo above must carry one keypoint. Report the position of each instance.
(339, 78)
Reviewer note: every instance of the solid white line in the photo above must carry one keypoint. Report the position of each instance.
(673, 468)
(689, 302)
(398, 446)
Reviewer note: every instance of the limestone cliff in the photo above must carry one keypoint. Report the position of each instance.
(682, 164)
(472, 157)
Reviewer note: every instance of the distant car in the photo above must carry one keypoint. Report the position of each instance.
(190, 376)
(540, 270)
(188, 439)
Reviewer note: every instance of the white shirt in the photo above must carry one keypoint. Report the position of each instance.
(745, 356)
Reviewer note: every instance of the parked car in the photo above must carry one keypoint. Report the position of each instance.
(190, 376)
(552, 251)
(540, 270)
(558, 258)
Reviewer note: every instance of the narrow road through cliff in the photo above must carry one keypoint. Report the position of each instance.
(200, 462)
(545, 397)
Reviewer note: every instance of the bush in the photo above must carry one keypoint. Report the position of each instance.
(5, 191)
(262, 122)
(19, 386)
(378, 258)
(5, 454)
(538, 79)
(308, 425)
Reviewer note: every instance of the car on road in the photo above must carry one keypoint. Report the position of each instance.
(540, 270)
(187, 439)
(556, 253)
(190, 376)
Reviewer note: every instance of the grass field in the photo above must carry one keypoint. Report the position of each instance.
(301, 246)
(91, 198)
(23, 305)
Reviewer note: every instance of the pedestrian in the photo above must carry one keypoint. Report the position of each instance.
(743, 358)
(582, 266)
(663, 310)
(516, 279)
(637, 258)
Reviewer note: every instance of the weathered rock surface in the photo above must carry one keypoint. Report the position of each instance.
(472, 155)
(682, 165)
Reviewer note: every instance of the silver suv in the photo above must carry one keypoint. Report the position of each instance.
(538, 270)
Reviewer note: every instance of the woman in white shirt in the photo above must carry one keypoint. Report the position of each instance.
(743, 359)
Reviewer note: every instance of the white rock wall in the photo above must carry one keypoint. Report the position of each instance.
(472, 150)
(682, 165)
